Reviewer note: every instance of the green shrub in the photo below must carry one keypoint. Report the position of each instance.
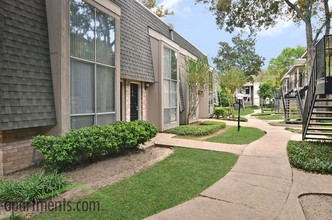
(242, 119)
(197, 129)
(311, 156)
(14, 217)
(253, 107)
(261, 114)
(293, 110)
(219, 111)
(223, 112)
(32, 188)
(91, 142)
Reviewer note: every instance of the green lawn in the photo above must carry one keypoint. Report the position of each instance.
(246, 135)
(178, 178)
(270, 117)
(197, 129)
(243, 112)
(311, 156)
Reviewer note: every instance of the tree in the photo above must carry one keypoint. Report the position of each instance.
(198, 78)
(265, 91)
(282, 63)
(241, 55)
(157, 9)
(231, 80)
(255, 15)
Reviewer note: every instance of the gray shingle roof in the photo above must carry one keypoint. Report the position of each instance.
(136, 57)
(26, 90)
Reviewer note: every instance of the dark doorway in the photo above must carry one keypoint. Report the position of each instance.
(134, 102)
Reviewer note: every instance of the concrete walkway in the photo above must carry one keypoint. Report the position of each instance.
(261, 185)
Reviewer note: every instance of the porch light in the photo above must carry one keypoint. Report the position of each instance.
(146, 85)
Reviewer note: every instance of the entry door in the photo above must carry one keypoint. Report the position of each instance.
(134, 102)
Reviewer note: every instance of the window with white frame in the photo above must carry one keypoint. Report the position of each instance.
(170, 86)
(92, 66)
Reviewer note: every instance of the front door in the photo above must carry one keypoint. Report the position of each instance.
(134, 104)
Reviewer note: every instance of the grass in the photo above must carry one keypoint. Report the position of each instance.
(246, 135)
(311, 156)
(178, 178)
(294, 130)
(243, 112)
(197, 129)
(270, 117)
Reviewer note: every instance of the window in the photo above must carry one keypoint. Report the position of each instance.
(92, 72)
(247, 90)
(170, 86)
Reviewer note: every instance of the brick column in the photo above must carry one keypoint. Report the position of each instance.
(1, 155)
(144, 103)
(127, 101)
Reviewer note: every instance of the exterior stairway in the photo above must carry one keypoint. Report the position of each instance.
(320, 122)
(292, 108)
(317, 112)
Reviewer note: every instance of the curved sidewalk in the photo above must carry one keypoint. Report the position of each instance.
(261, 185)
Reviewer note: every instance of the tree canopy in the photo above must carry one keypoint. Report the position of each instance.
(241, 55)
(283, 62)
(230, 80)
(198, 78)
(256, 15)
(265, 91)
(157, 9)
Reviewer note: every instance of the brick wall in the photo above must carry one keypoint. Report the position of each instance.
(127, 101)
(143, 96)
(16, 152)
(144, 103)
(1, 158)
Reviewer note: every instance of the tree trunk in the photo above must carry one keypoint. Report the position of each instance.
(310, 47)
(327, 17)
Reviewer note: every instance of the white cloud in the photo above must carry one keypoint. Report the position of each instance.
(177, 7)
(280, 27)
(171, 4)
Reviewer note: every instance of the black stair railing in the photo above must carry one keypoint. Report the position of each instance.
(310, 100)
(299, 101)
(283, 103)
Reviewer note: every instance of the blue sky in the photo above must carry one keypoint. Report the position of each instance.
(197, 24)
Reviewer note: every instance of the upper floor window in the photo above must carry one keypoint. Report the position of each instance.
(92, 51)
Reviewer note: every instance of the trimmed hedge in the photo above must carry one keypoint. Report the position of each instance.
(197, 129)
(32, 188)
(223, 112)
(311, 156)
(261, 114)
(91, 142)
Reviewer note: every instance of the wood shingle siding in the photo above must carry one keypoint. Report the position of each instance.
(26, 90)
(136, 57)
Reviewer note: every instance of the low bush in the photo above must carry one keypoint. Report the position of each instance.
(32, 188)
(197, 129)
(311, 156)
(14, 216)
(261, 114)
(219, 112)
(91, 142)
(223, 112)
(253, 107)
(242, 119)
(293, 110)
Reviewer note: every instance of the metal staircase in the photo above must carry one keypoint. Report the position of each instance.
(317, 112)
(292, 106)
